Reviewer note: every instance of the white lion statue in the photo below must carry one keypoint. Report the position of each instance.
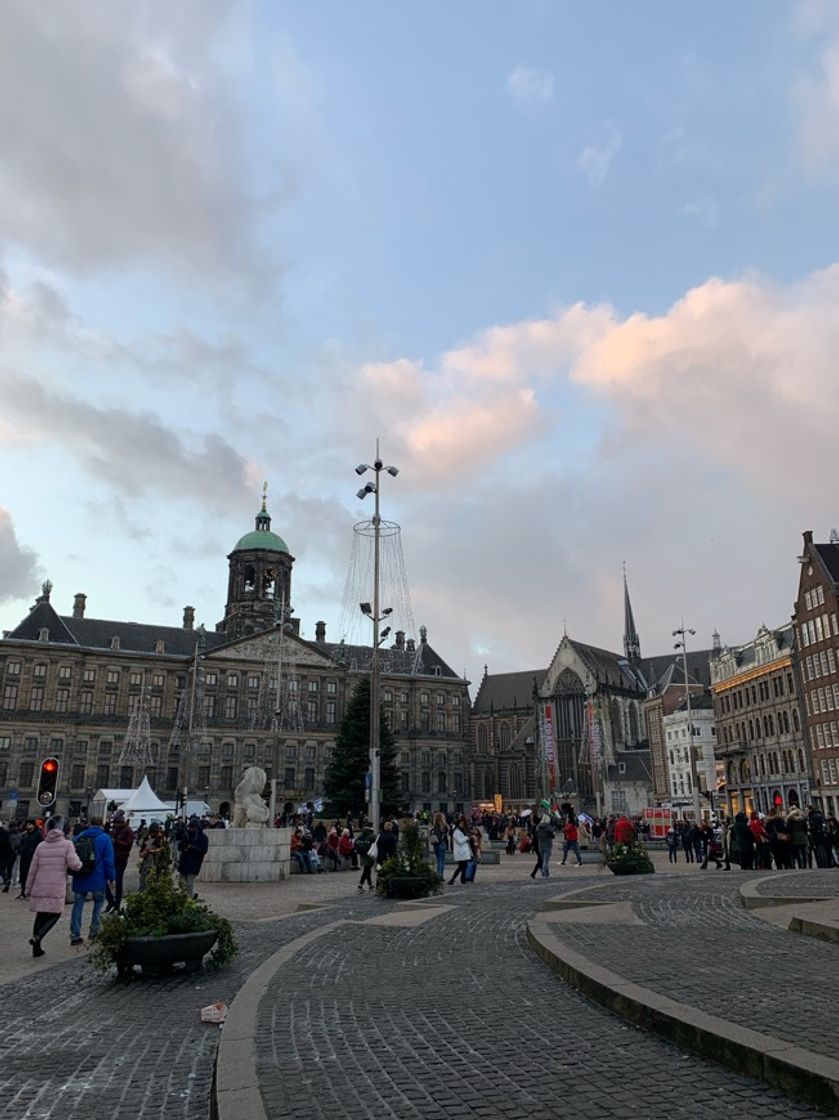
(249, 809)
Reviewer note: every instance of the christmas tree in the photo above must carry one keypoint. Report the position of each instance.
(343, 784)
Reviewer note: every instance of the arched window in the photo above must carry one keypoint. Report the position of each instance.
(442, 782)
(800, 761)
(795, 721)
(482, 738)
(489, 784)
(516, 792)
(633, 723)
(763, 766)
(504, 736)
(730, 775)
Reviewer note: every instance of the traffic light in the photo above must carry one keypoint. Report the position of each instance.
(47, 782)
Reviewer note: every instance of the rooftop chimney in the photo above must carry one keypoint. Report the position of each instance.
(400, 639)
(79, 601)
(423, 635)
(320, 631)
(410, 646)
(189, 618)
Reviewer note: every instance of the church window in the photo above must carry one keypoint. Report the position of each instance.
(482, 738)
(504, 736)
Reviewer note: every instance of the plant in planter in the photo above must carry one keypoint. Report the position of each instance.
(408, 874)
(160, 926)
(629, 859)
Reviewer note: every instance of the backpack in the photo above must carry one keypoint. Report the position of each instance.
(86, 851)
(363, 846)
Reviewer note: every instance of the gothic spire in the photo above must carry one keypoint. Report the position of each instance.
(631, 641)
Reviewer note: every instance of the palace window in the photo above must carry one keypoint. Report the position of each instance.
(10, 696)
(13, 668)
(62, 699)
(110, 703)
(36, 698)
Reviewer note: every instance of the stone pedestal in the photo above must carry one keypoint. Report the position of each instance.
(246, 855)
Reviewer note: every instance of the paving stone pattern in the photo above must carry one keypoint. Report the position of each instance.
(802, 884)
(701, 947)
(457, 1017)
(76, 1046)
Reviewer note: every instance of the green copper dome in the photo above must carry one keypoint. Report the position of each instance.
(261, 536)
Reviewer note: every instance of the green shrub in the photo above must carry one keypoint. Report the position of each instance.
(410, 861)
(161, 908)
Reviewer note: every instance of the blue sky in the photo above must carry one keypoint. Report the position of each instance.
(574, 264)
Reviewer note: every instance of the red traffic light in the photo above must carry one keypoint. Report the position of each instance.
(47, 782)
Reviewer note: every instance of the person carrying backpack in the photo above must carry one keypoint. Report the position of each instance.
(96, 853)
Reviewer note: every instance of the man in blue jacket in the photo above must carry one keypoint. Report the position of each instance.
(93, 877)
(192, 850)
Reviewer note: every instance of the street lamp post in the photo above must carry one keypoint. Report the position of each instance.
(682, 644)
(376, 617)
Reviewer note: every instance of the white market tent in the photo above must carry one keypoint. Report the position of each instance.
(144, 802)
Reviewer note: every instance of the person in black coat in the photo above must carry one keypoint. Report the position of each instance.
(191, 851)
(386, 843)
(7, 857)
(29, 841)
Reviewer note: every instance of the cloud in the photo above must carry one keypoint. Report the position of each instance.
(706, 210)
(530, 85)
(123, 143)
(134, 452)
(18, 564)
(596, 162)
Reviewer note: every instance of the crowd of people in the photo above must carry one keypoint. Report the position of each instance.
(781, 840)
(38, 857)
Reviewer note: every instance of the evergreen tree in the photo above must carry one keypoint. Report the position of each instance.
(343, 784)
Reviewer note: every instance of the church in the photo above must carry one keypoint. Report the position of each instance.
(250, 692)
(577, 727)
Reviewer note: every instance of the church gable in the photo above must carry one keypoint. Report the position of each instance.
(565, 661)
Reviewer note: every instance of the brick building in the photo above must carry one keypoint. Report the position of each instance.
(68, 685)
(761, 737)
(817, 631)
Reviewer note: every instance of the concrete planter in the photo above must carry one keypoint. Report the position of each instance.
(406, 886)
(158, 955)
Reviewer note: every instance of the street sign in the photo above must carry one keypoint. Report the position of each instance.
(12, 795)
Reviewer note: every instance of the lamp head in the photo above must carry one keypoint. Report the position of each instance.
(387, 611)
(362, 493)
(366, 608)
(384, 633)
(377, 465)
(393, 471)
(361, 468)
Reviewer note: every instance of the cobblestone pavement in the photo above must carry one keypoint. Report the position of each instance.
(457, 1017)
(701, 947)
(802, 884)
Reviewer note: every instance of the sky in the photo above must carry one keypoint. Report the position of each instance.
(575, 265)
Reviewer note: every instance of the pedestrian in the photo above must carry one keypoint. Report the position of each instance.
(687, 841)
(462, 850)
(779, 843)
(96, 854)
(330, 849)
(799, 840)
(571, 834)
(744, 841)
(154, 852)
(475, 846)
(30, 838)
(546, 831)
(624, 830)
(672, 842)
(7, 858)
(763, 856)
(533, 834)
(819, 842)
(46, 881)
(191, 852)
(367, 851)
(122, 838)
(346, 848)
(439, 839)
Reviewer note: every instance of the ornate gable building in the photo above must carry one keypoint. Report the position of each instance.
(69, 685)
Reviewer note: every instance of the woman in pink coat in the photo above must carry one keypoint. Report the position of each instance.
(46, 883)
